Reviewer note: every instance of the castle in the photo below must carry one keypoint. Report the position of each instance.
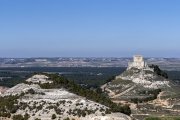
(138, 62)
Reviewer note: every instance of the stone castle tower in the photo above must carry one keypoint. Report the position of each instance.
(138, 62)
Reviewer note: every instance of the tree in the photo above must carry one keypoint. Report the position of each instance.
(18, 117)
(158, 71)
(53, 116)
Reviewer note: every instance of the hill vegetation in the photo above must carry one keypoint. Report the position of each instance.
(163, 118)
(94, 95)
(158, 71)
(86, 76)
(9, 104)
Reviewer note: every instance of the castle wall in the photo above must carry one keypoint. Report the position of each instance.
(138, 58)
(138, 62)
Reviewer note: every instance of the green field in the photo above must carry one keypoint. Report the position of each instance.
(87, 76)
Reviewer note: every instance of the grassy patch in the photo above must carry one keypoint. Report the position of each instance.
(163, 118)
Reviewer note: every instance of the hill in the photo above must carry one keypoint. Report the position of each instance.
(50, 96)
(146, 88)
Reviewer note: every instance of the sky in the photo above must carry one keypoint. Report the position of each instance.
(89, 28)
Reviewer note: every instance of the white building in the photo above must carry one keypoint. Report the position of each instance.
(138, 62)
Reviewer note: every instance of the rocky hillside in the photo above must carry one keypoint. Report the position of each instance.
(147, 90)
(139, 83)
(2, 89)
(53, 97)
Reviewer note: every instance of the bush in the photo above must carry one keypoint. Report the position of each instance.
(66, 119)
(158, 71)
(152, 118)
(7, 105)
(53, 116)
(31, 91)
(37, 119)
(18, 117)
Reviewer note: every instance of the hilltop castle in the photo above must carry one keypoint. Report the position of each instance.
(138, 62)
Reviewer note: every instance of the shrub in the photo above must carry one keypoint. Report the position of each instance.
(53, 116)
(37, 119)
(66, 119)
(18, 117)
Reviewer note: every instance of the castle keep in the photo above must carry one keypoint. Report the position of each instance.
(138, 62)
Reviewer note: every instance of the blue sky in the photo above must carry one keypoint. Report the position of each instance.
(89, 28)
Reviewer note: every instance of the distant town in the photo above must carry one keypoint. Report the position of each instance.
(164, 63)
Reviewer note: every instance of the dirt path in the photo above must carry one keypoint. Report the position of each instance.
(111, 93)
(126, 91)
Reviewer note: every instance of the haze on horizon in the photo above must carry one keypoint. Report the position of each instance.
(89, 28)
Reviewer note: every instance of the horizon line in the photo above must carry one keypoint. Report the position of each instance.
(79, 57)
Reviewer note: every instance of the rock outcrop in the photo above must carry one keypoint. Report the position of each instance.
(3, 89)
